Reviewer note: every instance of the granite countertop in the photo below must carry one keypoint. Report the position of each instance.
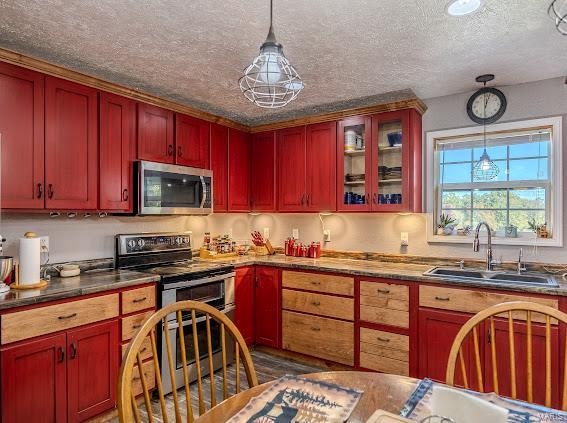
(86, 283)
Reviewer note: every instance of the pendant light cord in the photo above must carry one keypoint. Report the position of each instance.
(271, 11)
(484, 119)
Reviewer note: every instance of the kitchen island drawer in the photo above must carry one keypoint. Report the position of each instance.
(145, 349)
(384, 364)
(55, 318)
(384, 339)
(329, 284)
(131, 324)
(387, 295)
(318, 336)
(149, 377)
(138, 299)
(320, 304)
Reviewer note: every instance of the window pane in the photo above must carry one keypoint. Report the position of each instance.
(495, 218)
(520, 218)
(495, 152)
(463, 217)
(489, 199)
(455, 155)
(528, 169)
(528, 198)
(456, 200)
(502, 170)
(532, 149)
(455, 173)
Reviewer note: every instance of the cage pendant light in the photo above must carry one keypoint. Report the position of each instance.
(558, 11)
(270, 81)
(485, 169)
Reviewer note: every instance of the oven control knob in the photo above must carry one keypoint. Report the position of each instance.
(179, 240)
(132, 243)
(186, 240)
(141, 243)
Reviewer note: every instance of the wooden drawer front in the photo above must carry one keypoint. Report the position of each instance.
(149, 374)
(145, 349)
(330, 284)
(138, 299)
(384, 339)
(131, 324)
(318, 336)
(384, 364)
(473, 301)
(323, 305)
(43, 320)
(386, 295)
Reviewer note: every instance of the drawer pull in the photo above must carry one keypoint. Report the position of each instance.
(61, 352)
(137, 326)
(139, 300)
(315, 283)
(315, 329)
(379, 338)
(143, 350)
(73, 350)
(383, 291)
(438, 298)
(315, 303)
(69, 316)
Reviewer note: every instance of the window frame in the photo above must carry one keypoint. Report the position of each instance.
(555, 199)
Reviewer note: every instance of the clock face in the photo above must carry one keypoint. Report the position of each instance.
(487, 105)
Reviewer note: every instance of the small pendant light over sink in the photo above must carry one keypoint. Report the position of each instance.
(271, 81)
(558, 11)
(485, 169)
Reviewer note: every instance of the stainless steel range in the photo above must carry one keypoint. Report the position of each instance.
(169, 255)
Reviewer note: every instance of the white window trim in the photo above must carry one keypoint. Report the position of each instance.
(556, 177)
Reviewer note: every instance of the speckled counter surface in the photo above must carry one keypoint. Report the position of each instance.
(87, 283)
(388, 270)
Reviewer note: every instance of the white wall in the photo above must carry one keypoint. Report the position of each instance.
(74, 239)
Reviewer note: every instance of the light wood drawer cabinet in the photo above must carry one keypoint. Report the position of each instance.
(384, 303)
(149, 375)
(472, 301)
(384, 351)
(131, 324)
(138, 299)
(318, 336)
(329, 284)
(320, 304)
(55, 318)
(145, 349)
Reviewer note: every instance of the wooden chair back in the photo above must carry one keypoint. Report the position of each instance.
(132, 408)
(509, 314)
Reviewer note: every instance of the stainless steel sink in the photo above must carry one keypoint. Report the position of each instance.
(491, 276)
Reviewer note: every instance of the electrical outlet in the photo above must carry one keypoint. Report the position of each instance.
(44, 244)
(295, 233)
(327, 235)
(404, 239)
(266, 233)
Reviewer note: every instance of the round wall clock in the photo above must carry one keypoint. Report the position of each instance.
(488, 104)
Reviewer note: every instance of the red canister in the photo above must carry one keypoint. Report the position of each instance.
(305, 251)
(288, 246)
(315, 250)
(297, 250)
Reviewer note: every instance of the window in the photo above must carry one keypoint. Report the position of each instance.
(525, 192)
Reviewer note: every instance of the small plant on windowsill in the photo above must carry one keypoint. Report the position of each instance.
(446, 224)
(540, 230)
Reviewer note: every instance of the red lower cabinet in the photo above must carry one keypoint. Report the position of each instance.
(92, 369)
(268, 307)
(244, 300)
(33, 378)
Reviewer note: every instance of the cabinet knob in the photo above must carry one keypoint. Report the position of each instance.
(170, 150)
(179, 152)
(39, 190)
(50, 191)
(125, 194)
(315, 328)
(315, 303)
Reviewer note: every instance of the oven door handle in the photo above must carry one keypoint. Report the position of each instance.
(204, 191)
(197, 282)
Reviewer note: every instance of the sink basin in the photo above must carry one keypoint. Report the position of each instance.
(491, 276)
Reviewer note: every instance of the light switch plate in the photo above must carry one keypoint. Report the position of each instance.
(295, 233)
(44, 244)
(327, 235)
(404, 239)
(266, 233)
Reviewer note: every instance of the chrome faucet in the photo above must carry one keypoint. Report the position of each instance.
(476, 244)
(521, 265)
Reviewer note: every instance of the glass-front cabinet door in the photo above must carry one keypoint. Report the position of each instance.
(390, 161)
(354, 164)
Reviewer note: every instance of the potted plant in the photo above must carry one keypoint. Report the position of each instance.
(539, 229)
(446, 224)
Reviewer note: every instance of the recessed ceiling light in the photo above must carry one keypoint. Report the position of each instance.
(463, 7)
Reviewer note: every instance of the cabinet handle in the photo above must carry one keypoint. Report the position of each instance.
(315, 329)
(39, 190)
(125, 194)
(170, 150)
(383, 291)
(442, 298)
(137, 326)
(315, 303)
(73, 350)
(179, 152)
(379, 338)
(61, 352)
(69, 316)
(139, 300)
(315, 283)
(143, 350)
(50, 191)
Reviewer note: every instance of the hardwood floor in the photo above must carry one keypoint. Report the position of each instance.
(269, 366)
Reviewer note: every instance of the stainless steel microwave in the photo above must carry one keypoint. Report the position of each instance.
(164, 189)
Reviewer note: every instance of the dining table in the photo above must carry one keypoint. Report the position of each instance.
(380, 391)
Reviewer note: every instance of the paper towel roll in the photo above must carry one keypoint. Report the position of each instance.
(30, 260)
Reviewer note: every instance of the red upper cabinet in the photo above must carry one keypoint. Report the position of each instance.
(238, 171)
(268, 307)
(263, 172)
(92, 351)
(34, 387)
(219, 166)
(321, 156)
(191, 141)
(117, 140)
(155, 134)
(291, 169)
(244, 302)
(71, 145)
(22, 137)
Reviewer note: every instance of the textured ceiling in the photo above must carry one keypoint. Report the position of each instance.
(348, 52)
